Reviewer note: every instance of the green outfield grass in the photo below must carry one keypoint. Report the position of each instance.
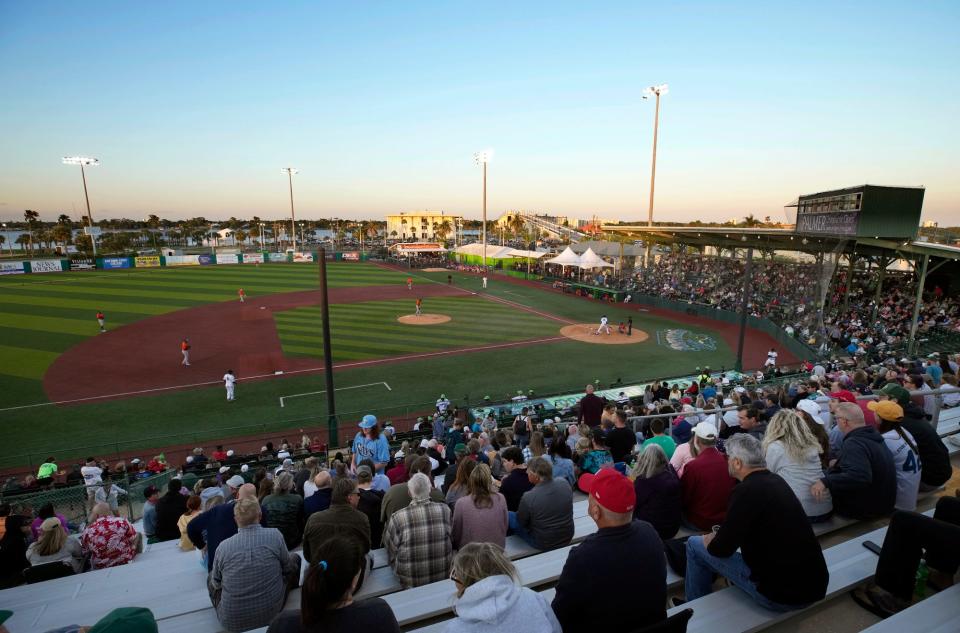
(43, 315)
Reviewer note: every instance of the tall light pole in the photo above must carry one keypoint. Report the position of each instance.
(482, 158)
(92, 162)
(647, 93)
(290, 171)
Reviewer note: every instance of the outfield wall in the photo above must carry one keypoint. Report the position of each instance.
(77, 264)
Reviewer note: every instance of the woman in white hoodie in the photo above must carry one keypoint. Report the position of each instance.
(490, 598)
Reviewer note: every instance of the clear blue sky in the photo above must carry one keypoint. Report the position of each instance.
(193, 107)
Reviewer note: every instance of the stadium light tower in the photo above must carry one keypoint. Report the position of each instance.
(290, 171)
(654, 91)
(482, 158)
(91, 162)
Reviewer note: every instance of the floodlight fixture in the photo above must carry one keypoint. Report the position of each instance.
(81, 160)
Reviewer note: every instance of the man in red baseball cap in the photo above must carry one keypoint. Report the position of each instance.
(623, 555)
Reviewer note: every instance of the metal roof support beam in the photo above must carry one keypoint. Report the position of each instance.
(747, 273)
(921, 279)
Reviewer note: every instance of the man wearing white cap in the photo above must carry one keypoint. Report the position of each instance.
(442, 403)
(705, 484)
(369, 444)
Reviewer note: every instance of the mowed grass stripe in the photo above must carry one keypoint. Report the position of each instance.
(375, 320)
(84, 304)
(45, 341)
(24, 362)
(113, 317)
(176, 293)
(48, 324)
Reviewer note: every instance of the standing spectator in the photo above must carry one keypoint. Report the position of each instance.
(764, 546)
(417, 537)
(398, 496)
(169, 509)
(598, 456)
(326, 598)
(109, 493)
(370, 503)
(193, 511)
(110, 540)
(46, 472)
(664, 441)
(341, 519)
(515, 483)
(284, 509)
(92, 477)
(320, 499)
(490, 598)
(903, 448)
(370, 444)
(657, 489)
(793, 452)
(863, 482)
(562, 463)
(151, 495)
(482, 515)
(544, 518)
(705, 483)
(621, 553)
(591, 408)
(252, 572)
(55, 545)
(620, 439)
(217, 524)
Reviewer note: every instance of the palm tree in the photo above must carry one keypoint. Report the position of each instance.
(241, 235)
(749, 221)
(443, 229)
(61, 233)
(23, 239)
(64, 219)
(30, 217)
(403, 229)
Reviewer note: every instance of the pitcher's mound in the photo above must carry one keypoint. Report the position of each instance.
(423, 319)
(434, 270)
(585, 333)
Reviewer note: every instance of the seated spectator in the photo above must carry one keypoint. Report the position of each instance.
(399, 473)
(621, 553)
(320, 499)
(490, 598)
(150, 495)
(45, 512)
(307, 473)
(620, 439)
(562, 464)
(573, 434)
(684, 454)
(458, 488)
(217, 524)
(910, 537)
(110, 540)
(934, 456)
(705, 483)
(480, 516)
(193, 511)
(252, 572)
(749, 421)
(417, 537)
(764, 546)
(793, 452)
(599, 456)
(515, 483)
(169, 509)
(862, 482)
(55, 545)
(903, 448)
(370, 503)
(657, 489)
(399, 495)
(664, 441)
(326, 598)
(380, 481)
(544, 518)
(285, 509)
(341, 519)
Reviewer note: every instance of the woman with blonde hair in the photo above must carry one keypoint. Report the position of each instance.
(536, 448)
(55, 545)
(490, 598)
(480, 516)
(793, 452)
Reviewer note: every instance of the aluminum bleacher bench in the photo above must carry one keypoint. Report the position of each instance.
(939, 613)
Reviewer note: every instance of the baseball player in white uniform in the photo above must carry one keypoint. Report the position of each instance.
(229, 381)
(603, 325)
(484, 281)
(771, 358)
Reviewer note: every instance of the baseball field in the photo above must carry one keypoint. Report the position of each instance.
(66, 388)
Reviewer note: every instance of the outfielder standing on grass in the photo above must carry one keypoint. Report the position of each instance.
(484, 280)
(185, 350)
(100, 320)
(229, 380)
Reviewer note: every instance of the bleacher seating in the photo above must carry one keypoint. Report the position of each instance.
(939, 613)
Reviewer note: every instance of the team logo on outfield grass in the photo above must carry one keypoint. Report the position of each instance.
(686, 341)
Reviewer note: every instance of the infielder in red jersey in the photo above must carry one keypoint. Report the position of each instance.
(242, 295)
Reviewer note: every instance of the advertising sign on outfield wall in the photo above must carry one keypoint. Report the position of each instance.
(181, 260)
(45, 266)
(350, 256)
(112, 263)
(11, 268)
(253, 258)
(228, 258)
(278, 257)
(303, 257)
(147, 261)
(206, 260)
(84, 263)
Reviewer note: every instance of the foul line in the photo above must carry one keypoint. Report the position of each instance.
(359, 363)
(313, 393)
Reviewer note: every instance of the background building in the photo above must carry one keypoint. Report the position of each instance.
(421, 225)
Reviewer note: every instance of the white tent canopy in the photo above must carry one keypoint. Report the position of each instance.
(566, 258)
(528, 254)
(589, 260)
(493, 251)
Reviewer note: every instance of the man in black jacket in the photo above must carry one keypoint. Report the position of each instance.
(779, 564)
(621, 553)
(863, 482)
(934, 456)
(170, 507)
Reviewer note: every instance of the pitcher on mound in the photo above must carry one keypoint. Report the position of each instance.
(603, 326)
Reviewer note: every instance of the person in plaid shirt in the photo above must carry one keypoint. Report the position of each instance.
(110, 540)
(418, 537)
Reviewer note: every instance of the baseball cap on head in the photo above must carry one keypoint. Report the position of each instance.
(886, 409)
(844, 396)
(610, 489)
(368, 422)
(895, 392)
(812, 408)
(424, 443)
(236, 481)
(705, 430)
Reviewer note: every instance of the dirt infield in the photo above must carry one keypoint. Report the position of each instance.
(423, 319)
(587, 333)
